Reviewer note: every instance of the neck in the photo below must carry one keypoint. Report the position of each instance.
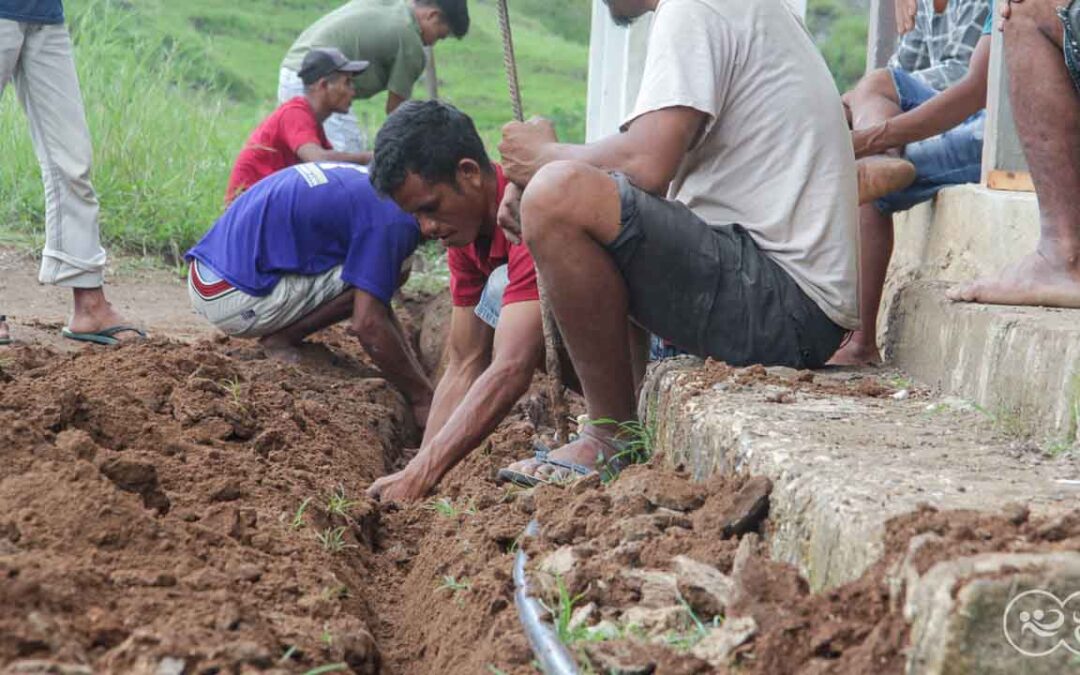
(491, 194)
(322, 111)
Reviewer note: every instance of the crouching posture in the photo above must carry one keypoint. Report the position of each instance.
(303, 249)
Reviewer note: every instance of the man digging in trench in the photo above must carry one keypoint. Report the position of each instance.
(750, 258)
(430, 159)
(303, 249)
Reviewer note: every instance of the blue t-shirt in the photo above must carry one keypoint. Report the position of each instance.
(305, 220)
(32, 11)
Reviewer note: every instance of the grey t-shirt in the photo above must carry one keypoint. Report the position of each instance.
(775, 155)
(383, 32)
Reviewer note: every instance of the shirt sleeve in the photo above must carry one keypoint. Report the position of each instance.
(522, 277)
(910, 54)
(407, 67)
(373, 263)
(298, 129)
(689, 58)
(466, 279)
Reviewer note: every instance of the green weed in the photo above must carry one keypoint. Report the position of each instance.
(495, 671)
(444, 506)
(333, 539)
(298, 517)
(1058, 447)
(329, 668)
(638, 438)
(233, 388)
(685, 641)
(327, 638)
(455, 586)
(339, 504)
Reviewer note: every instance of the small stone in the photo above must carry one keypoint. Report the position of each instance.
(42, 667)
(717, 646)
(581, 616)
(77, 443)
(656, 589)
(706, 589)
(1017, 513)
(625, 658)
(654, 620)
(171, 666)
(750, 509)
(246, 572)
(559, 562)
(138, 477)
(226, 493)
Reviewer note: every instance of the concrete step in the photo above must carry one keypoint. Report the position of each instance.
(842, 465)
(1020, 364)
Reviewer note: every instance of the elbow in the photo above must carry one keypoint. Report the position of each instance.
(650, 177)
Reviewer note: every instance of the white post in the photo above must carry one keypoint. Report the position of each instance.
(1004, 166)
(881, 38)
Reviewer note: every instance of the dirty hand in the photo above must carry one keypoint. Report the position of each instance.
(905, 15)
(406, 485)
(522, 148)
(509, 217)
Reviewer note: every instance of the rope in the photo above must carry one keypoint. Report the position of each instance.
(551, 330)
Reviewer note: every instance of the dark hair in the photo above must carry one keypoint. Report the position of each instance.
(456, 13)
(428, 138)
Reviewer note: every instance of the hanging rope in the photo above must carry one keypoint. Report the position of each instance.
(551, 331)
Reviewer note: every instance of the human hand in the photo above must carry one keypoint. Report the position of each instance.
(522, 148)
(906, 11)
(509, 217)
(407, 485)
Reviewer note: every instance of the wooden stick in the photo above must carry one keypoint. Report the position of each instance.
(551, 330)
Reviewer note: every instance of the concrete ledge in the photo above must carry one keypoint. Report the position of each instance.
(1019, 362)
(842, 465)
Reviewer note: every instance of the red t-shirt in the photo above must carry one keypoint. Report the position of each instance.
(273, 144)
(470, 266)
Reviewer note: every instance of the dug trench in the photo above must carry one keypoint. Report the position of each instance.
(179, 509)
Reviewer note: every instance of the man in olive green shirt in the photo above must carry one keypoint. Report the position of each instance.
(388, 34)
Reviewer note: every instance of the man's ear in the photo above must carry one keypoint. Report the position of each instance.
(469, 173)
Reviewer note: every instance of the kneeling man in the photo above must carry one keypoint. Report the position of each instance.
(303, 249)
(430, 159)
(723, 218)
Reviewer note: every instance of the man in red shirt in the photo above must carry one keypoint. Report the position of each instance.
(293, 134)
(430, 160)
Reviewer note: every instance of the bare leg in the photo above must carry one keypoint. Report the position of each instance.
(568, 213)
(92, 313)
(875, 251)
(283, 344)
(873, 100)
(1047, 112)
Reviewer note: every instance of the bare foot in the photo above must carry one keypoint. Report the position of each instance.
(280, 349)
(93, 313)
(858, 351)
(1034, 280)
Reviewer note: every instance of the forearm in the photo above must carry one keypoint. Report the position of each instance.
(386, 346)
(350, 157)
(613, 153)
(936, 116)
(453, 387)
(485, 405)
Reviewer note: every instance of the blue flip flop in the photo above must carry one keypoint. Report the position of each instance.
(102, 337)
(611, 466)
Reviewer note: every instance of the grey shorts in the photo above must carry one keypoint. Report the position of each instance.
(711, 291)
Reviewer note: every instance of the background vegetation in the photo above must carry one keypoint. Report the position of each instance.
(172, 90)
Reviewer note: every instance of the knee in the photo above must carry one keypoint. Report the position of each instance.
(1034, 16)
(875, 83)
(549, 204)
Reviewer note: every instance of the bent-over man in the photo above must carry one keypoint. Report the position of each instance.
(722, 219)
(301, 250)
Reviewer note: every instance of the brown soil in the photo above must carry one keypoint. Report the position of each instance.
(151, 521)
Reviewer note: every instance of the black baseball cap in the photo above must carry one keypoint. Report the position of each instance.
(318, 63)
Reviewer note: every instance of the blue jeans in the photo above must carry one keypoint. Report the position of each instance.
(951, 158)
(490, 304)
(1070, 18)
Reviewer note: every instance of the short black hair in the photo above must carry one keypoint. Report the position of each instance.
(428, 138)
(456, 13)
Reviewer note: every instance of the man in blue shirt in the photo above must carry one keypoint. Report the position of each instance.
(35, 52)
(303, 249)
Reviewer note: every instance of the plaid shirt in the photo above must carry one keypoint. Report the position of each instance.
(938, 49)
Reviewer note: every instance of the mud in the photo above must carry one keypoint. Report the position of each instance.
(197, 509)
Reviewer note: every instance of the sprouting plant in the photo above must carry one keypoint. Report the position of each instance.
(454, 585)
(334, 592)
(232, 387)
(698, 631)
(638, 440)
(901, 382)
(339, 504)
(333, 539)
(444, 506)
(495, 671)
(564, 612)
(327, 638)
(287, 656)
(298, 517)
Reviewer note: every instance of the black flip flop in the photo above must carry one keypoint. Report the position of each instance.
(102, 337)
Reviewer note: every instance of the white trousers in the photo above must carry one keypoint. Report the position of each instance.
(342, 129)
(39, 59)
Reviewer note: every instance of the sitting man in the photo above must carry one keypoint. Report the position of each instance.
(943, 138)
(1042, 50)
(930, 58)
(389, 34)
(751, 257)
(293, 133)
(430, 159)
(301, 250)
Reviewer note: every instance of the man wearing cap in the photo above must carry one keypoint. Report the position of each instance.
(391, 36)
(303, 249)
(293, 133)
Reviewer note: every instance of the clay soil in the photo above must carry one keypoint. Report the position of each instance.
(190, 508)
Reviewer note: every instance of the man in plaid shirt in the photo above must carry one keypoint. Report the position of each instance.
(937, 50)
